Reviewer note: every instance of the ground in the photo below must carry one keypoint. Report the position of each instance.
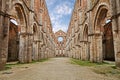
(53, 69)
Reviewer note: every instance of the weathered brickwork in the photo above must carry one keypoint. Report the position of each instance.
(26, 32)
(60, 45)
(94, 31)
(31, 38)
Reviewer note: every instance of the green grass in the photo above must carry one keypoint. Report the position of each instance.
(41, 60)
(10, 65)
(104, 68)
(86, 63)
(107, 71)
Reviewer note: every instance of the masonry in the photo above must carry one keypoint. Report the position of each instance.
(94, 31)
(31, 37)
(26, 32)
(60, 45)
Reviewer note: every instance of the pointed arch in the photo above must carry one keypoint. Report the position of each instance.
(18, 13)
(35, 32)
(21, 16)
(35, 28)
(85, 33)
(103, 34)
(101, 15)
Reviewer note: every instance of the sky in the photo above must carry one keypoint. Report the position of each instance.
(60, 12)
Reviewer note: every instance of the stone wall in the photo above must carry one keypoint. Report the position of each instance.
(60, 45)
(13, 43)
(88, 36)
(35, 35)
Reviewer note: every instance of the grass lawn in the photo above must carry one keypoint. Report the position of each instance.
(13, 64)
(104, 68)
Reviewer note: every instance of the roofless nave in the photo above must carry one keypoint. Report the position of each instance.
(93, 34)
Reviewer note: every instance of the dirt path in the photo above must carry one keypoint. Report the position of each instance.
(54, 69)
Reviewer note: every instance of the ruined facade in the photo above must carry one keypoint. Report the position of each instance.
(25, 31)
(94, 31)
(60, 40)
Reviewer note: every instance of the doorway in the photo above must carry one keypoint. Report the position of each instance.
(108, 46)
(13, 44)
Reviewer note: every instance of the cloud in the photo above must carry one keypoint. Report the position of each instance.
(50, 2)
(59, 26)
(63, 9)
(57, 23)
(60, 12)
(55, 17)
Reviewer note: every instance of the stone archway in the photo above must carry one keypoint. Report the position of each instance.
(17, 13)
(13, 42)
(107, 42)
(60, 42)
(104, 47)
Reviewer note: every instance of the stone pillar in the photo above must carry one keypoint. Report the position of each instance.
(82, 50)
(98, 50)
(79, 48)
(42, 52)
(91, 40)
(4, 35)
(30, 48)
(115, 11)
(39, 51)
(4, 32)
(77, 52)
(35, 50)
(40, 43)
(30, 34)
(86, 50)
(23, 48)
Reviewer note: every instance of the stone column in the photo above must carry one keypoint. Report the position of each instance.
(4, 35)
(79, 48)
(115, 11)
(91, 40)
(30, 38)
(41, 56)
(23, 48)
(35, 50)
(4, 32)
(40, 43)
(77, 52)
(98, 50)
(86, 50)
(82, 50)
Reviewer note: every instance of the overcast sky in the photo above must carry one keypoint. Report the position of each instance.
(60, 13)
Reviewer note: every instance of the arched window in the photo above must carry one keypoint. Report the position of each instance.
(14, 21)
